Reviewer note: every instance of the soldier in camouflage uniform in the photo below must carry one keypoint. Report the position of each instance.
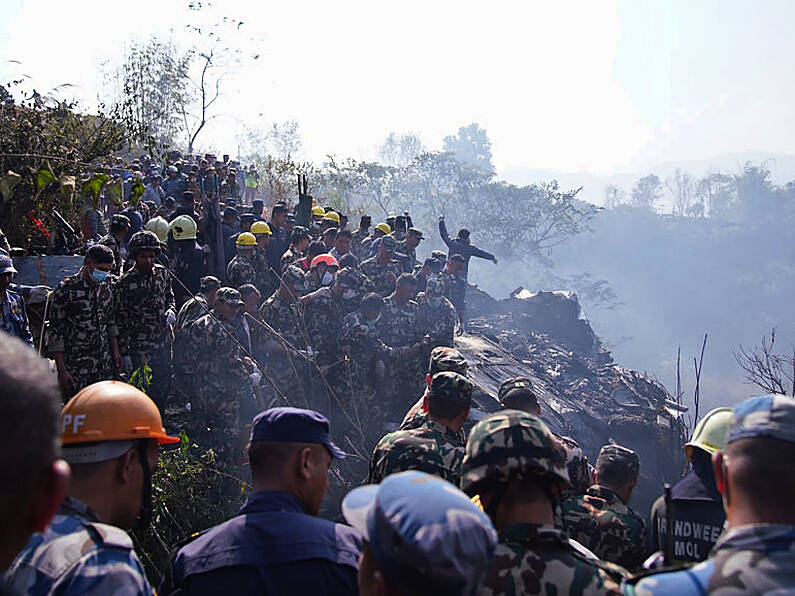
(283, 345)
(435, 447)
(437, 315)
(265, 281)
(299, 241)
(86, 550)
(512, 460)
(119, 226)
(241, 269)
(83, 337)
(195, 308)
(408, 246)
(222, 376)
(382, 269)
(145, 315)
(421, 536)
(756, 476)
(600, 519)
(358, 236)
(517, 394)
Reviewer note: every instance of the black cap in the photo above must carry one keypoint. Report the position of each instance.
(294, 425)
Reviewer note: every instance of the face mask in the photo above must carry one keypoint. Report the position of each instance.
(327, 279)
(99, 276)
(349, 294)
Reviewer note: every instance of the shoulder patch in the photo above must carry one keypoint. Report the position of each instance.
(111, 536)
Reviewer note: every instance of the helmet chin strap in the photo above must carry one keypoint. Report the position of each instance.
(145, 515)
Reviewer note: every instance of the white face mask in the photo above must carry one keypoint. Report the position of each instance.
(326, 279)
(349, 294)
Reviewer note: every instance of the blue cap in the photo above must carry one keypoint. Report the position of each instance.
(423, 531)
(294, 425)
(766, 416)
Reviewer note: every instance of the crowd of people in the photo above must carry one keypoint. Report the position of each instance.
(285, 341)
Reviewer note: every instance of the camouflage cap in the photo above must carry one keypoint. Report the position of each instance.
(350, 278)
(294, 275)
(143, 240)
(515, 384)
(450, 385)
(767, 416)
(444, 358)
(389, 243)
(229, 296)
(423, 532)
(618, 455)
(119, 219)
(209, 283)
(511, 445)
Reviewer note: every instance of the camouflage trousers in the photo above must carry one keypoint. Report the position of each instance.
(159, 361)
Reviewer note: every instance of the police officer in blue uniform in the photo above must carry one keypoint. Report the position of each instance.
(277, 544)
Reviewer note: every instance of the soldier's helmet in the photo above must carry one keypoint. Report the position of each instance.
(143, 240)
(159, 226)
(511, 445)
(183, 228)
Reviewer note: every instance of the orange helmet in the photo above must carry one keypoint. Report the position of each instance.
(111, 411)
(326, 259)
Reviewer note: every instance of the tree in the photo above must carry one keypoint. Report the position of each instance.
(471, 146)
(680, 186)
(647, 191)
(755, 194)
(152, 85)
(400, 150)
(614, 196)
(718, 192)
(771, 372)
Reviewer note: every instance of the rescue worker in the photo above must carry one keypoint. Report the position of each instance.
(408, 247)
(380, 230)
(318, 213)
(446, 542)
(246, 220)
(430, 267)
(331, 219)
(280, 240)
(13, 316)
(315, 248)
(698, 514)
(241, 268)
(277, 544)
(517, 394)
(329, 238)
(176, 183)
(517, 470)
(362, 232)
(189, 263)
(222, 375)
(460, 245)
(264, 279)
(435, 447)
(257, 206)
(755, 473)
(30, 407)
(437, 316)
(342, 245)
(119, 226)
(299, 241)
(601, 519)
(455, 286)
(145, 315)
(321, 272)
(83, 336)
(251, 181)
(160, 227)
(111, 434)
(382, 269)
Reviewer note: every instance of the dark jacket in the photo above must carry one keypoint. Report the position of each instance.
(272, 547)
(465, 249)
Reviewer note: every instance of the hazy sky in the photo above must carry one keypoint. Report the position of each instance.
(569, 86)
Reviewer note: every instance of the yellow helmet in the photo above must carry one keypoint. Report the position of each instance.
(260, 227)
(159, 226)
(183, 228)
(246, 239)
(333, 216)
(318, 210)
(384, 227)
(710, 432)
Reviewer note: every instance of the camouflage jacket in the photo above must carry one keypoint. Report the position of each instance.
(264, 278)
(438, 321)
(360, 338)
(600, 521)
(14, 317)
(119, 252)
(411, 253)
(78, 555)
(240, 271)
(751, 559)
(356, 242)
(431, 448)
(217, 358)
(400, 323)
(382, 276)
(288, 258)
(190, 312)
(323, 316)
(534, 559)
(82, 321)
(141, 305)
(285, 318)
(580, 472)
